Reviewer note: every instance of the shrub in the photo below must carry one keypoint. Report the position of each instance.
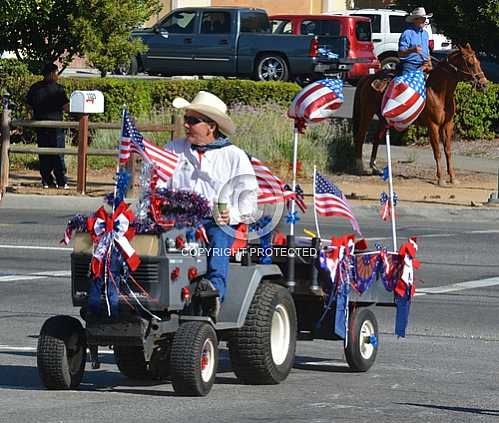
(13, 68)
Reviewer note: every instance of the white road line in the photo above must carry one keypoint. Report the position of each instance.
(5, 348)
(481, 283)
(33, 247)
(37, 275)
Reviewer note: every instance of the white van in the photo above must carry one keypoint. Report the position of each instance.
(387, 25)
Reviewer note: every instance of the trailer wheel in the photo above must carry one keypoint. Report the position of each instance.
(362, 345)
(131, 362)
(262, 352)
(272, 67)
(61, 352)
(194, 359)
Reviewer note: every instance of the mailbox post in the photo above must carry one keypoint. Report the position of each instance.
(84, 103)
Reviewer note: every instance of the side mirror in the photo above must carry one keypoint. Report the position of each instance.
(157, 29)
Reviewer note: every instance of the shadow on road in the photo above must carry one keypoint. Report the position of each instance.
(480, 411)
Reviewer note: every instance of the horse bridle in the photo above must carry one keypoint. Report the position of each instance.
(474, 77)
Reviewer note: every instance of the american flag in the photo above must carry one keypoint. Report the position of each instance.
(404, 99)
(299, 198)
(270, 188)
(330, 201)
(132, 141)
(317, 101)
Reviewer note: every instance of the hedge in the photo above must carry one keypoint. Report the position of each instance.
(477, 113)
(13, 68)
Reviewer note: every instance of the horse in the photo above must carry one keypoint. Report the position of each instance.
(460, 65)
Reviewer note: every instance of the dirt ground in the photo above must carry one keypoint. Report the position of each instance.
(412, 183)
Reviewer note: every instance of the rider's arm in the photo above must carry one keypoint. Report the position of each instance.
(405, 48)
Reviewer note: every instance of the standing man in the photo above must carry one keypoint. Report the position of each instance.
(210, 165)
(48, 101)
(414, 46)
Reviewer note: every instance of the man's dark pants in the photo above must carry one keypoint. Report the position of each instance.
(50, 137)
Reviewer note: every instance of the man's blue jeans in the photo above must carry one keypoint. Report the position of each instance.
(218, 255)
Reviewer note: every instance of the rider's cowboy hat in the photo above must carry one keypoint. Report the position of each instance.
(210, 106)
(418, 12)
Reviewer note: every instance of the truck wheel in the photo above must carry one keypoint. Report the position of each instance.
(272, 67)
(131, 362)
(390, 63)
(130, 68)
(262, 352)
(61, 352)
(362, 345)
(194, 359)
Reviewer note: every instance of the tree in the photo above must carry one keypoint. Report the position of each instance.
(39, 31)
(106, 26)
(473, 21)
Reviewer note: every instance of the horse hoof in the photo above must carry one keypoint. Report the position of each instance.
(442, 183)
(454, 182)
(375, 171)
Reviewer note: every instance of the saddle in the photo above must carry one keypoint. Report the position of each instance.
(382, 80)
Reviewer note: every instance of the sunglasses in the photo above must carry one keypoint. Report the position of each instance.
(193, 120)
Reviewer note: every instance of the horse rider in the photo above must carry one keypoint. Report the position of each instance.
(414, 43)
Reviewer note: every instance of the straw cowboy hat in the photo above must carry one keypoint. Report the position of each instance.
(210, 106)
(418, 12)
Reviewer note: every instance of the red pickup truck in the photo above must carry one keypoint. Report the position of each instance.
(357, 30)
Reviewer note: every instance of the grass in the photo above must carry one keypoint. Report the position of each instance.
(264, 132)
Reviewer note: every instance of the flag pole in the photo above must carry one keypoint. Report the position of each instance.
(295, 160)
(118, 164)
(318, 231)
(390, 184)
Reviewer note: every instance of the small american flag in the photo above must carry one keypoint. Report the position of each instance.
(132, 141)
(299, 198)
(270, 188)
(330, 201)
(317, 101)
(404, 99)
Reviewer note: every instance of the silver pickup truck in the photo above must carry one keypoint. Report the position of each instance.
(231, 41)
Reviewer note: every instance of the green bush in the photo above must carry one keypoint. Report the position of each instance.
(13, 68)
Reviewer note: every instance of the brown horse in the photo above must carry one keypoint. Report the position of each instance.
(460, 65)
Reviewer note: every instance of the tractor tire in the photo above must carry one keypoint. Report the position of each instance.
(262, 352)
(61, 353)
(271, 67)
(363, 338)
(194, 359)
(131, 362)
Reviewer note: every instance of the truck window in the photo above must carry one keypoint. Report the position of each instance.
(363, 31)
(179, 22)
(215, 23)
(255, 22)
(327, 27)
(375, 21)
(397, 24)
(281, 26)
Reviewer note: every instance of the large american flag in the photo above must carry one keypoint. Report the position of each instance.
(270, 188)
(404, 99)
(317, 101)
(132, 141)
(330, 201)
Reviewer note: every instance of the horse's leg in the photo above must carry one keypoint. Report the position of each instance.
(377, 138)
(433, 132)
(448, 133)
(359, 137)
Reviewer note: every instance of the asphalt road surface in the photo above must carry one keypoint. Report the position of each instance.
(446, 370)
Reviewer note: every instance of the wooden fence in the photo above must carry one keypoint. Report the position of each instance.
(83, 126)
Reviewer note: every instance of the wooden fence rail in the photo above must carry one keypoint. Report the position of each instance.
(83, 125)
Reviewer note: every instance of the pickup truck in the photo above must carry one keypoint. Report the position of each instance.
(234, 41)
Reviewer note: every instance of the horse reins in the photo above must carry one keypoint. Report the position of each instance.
(475, 77)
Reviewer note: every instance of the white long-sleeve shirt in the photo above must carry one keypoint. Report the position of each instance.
(223, 175)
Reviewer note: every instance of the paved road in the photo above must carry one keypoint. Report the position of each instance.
(445, 370)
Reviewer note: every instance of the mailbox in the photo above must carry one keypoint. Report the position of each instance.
(86, 102)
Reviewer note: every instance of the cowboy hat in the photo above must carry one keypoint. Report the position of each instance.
(418, 12)
(210, 106)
